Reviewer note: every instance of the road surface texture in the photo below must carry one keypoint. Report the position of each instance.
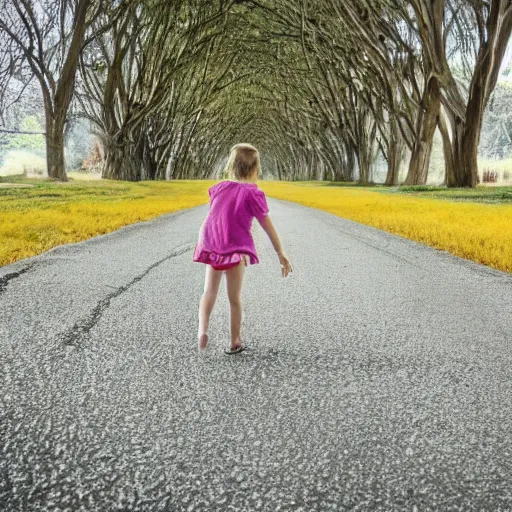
(378, 376)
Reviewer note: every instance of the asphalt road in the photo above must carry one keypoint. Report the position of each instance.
(378, 376)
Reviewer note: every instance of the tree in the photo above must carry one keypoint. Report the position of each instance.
(462, 115)
(146, 104)
(50, 35)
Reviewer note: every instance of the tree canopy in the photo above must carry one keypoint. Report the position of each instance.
(321, 88)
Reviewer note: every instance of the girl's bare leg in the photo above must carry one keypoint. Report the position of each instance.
(234, 279)
(212, 280)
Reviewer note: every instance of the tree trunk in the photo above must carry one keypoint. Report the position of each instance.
(56, 116)
(279, 173)
(465, 139)
(425, 128)
(169, 169)
(464, 151)
(364, 167)
(147, 158)
(364, 155)
(321, 170)
(338, 171)
(395, 156)
(447, 146)
(122, 162)
(55, 149)
(350, 167)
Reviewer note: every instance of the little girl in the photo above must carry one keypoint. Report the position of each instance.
(225, 241)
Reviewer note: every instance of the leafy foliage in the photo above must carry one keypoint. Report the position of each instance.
(25, 140)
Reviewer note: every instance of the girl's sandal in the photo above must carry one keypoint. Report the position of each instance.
(238, 348)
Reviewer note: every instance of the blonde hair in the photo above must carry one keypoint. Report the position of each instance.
(243, 162)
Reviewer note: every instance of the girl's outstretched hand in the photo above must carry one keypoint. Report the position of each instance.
(286, 266)
(267, 225)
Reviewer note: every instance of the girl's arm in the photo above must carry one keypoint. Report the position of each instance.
(268, 226)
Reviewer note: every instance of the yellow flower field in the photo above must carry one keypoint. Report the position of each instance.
(478, 232)
(37, 219)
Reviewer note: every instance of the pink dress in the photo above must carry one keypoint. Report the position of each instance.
(225, 235)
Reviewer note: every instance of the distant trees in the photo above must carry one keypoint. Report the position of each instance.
(11, 59)
(483, 34)
(389, 74)
(496, 141)
(50, 35)
(147, 83)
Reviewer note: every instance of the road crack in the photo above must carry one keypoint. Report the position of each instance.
(4, 281)
(74, 335)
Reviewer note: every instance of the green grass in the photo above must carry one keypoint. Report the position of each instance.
(480, 194)
(52, 192)
(47, 193)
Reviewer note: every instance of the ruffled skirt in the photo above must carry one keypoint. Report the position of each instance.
(222, 261)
